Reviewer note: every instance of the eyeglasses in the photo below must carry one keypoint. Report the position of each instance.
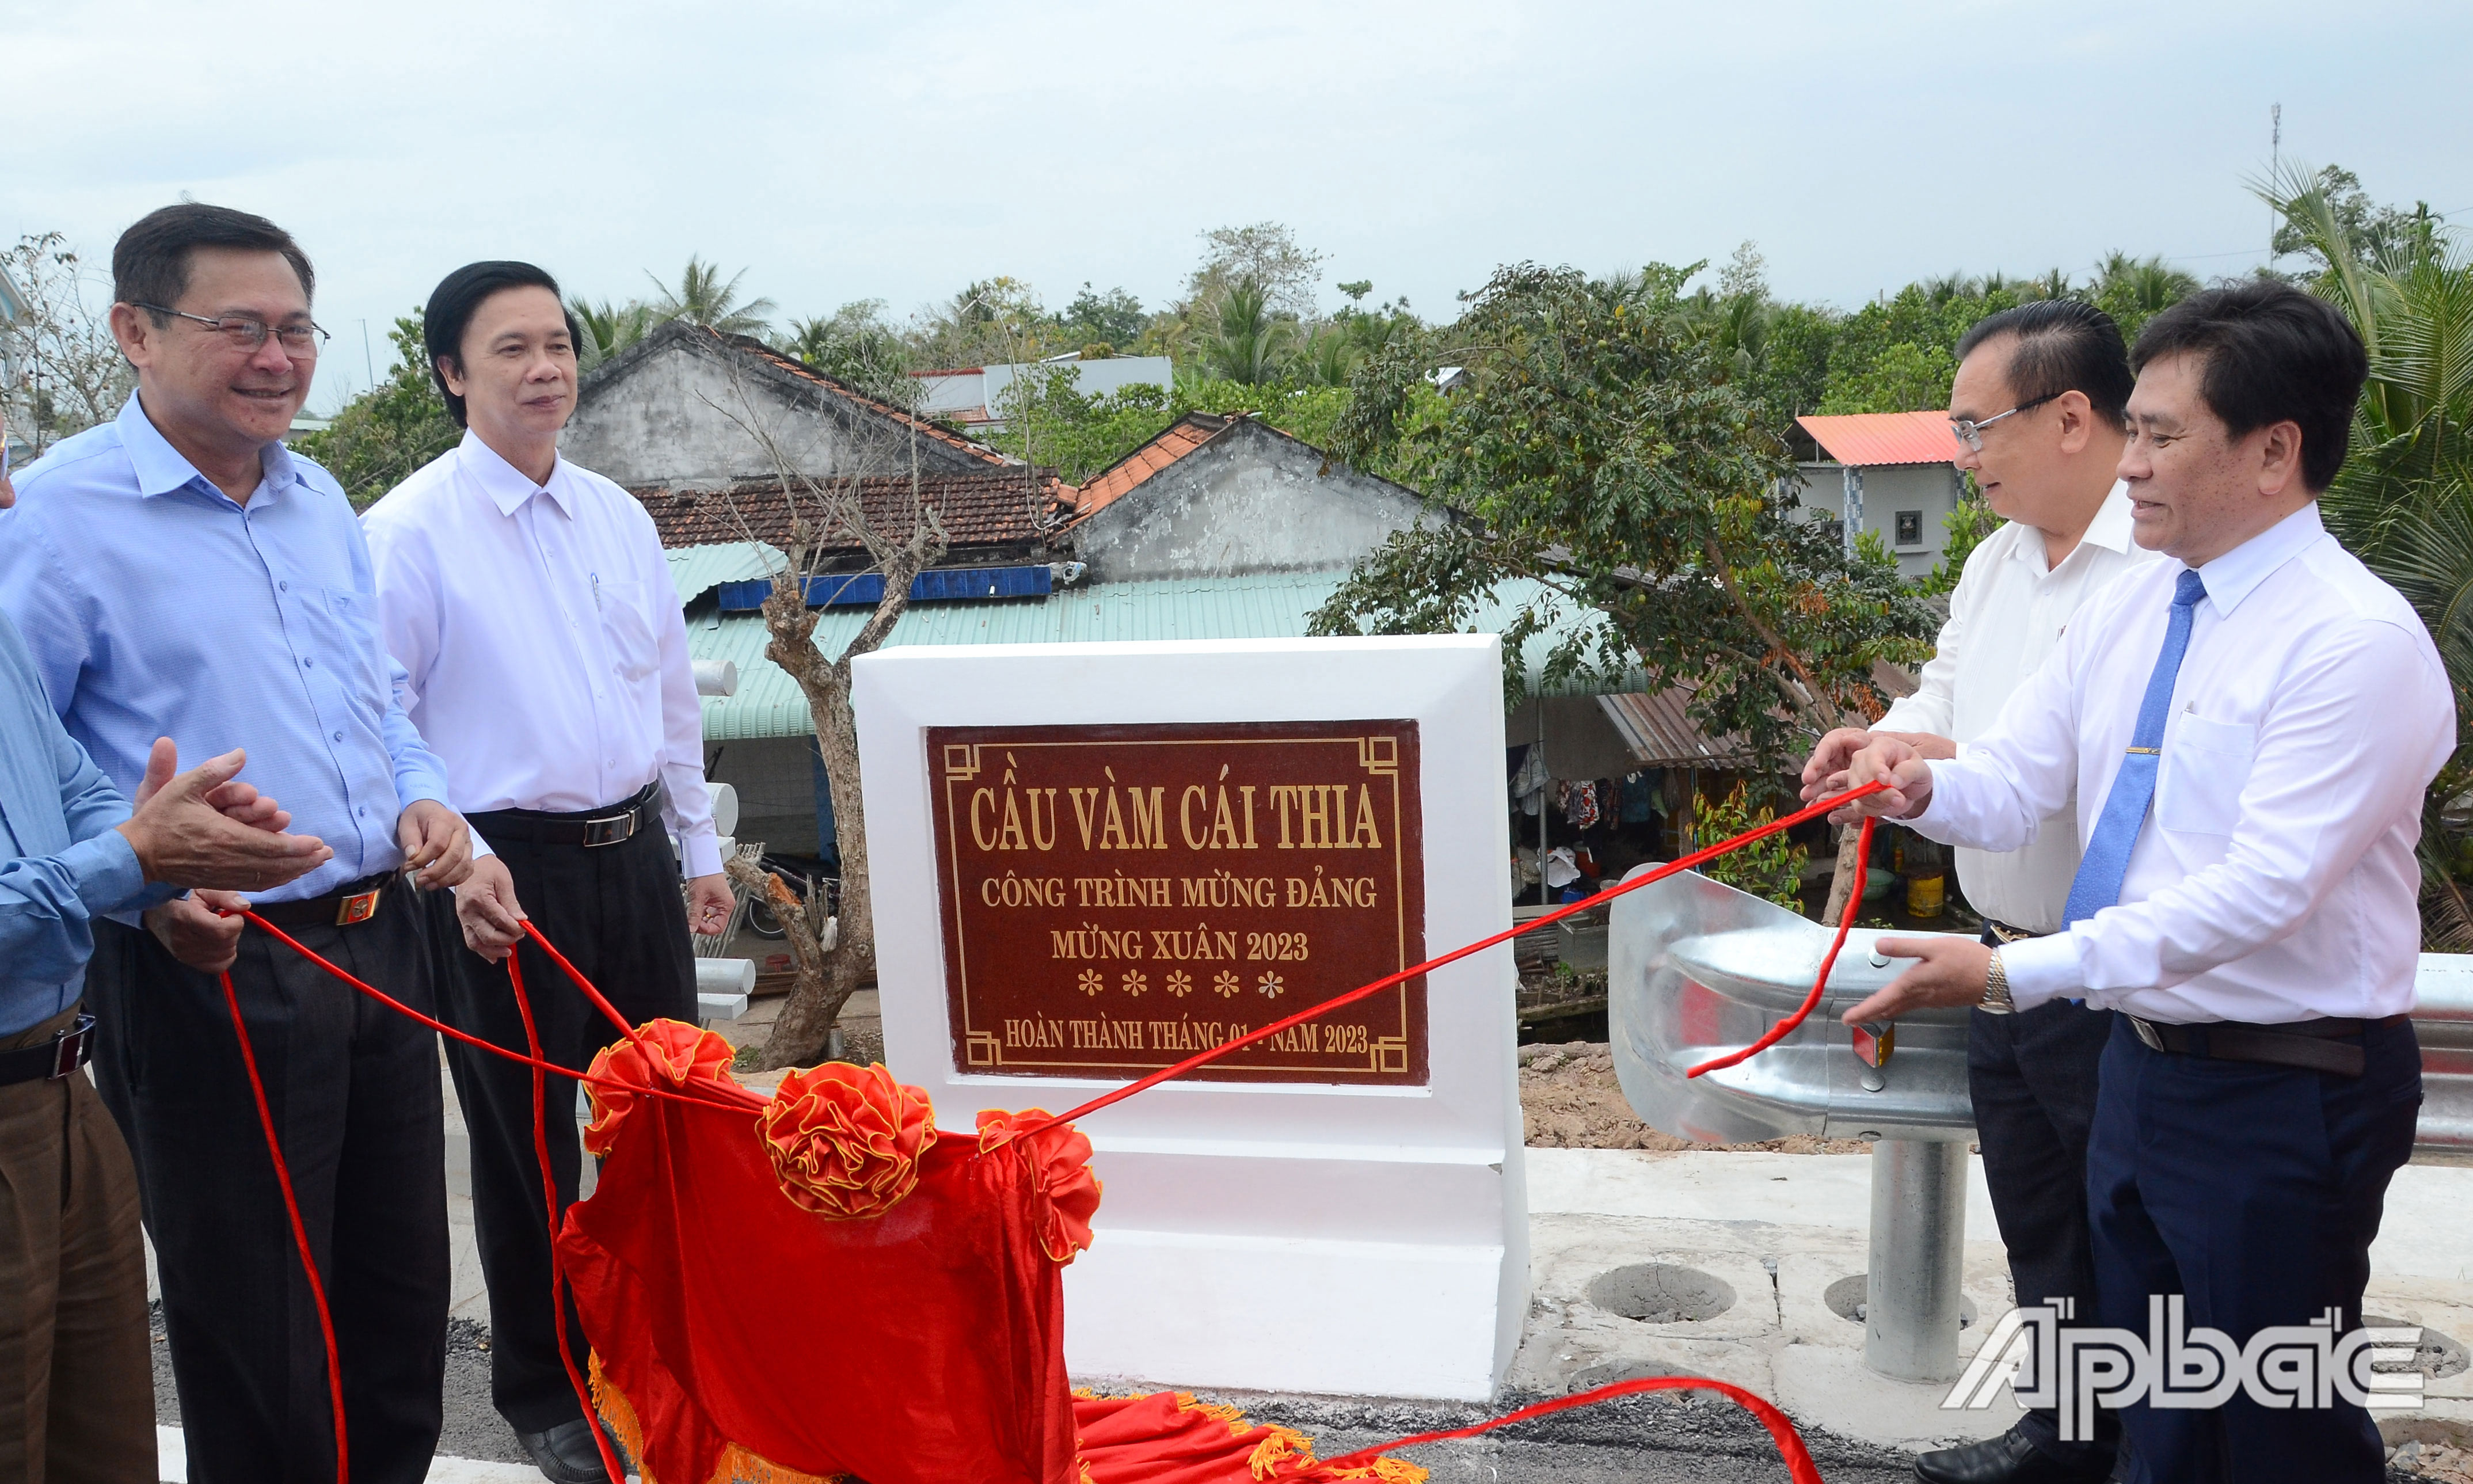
(1970, 432)
(244, 333)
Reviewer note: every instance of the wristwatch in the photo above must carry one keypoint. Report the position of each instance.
(1996, 988)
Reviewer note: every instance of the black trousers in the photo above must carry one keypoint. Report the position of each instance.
(2032, 1076)
(353, 1091)
(2254, 1191)
(617, 913)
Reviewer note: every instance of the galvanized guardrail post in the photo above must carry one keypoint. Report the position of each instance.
(1910, 1290)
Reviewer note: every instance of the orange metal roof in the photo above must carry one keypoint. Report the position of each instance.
(1181, 438)
(1869, 438)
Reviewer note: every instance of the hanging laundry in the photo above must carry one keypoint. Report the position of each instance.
(1579, 802)
(1561, 870)
(1529, 785)
(1639, 797)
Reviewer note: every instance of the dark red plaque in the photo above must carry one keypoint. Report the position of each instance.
(1117, 899)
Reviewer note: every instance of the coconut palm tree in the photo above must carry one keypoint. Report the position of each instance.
(2404, 500)
(2132, 290)
(702, 297)
(607, 329)
(1250, 343)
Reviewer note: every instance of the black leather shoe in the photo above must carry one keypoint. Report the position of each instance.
(2007, 1459)
(564, 1454)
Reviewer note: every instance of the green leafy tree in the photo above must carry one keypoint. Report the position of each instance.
(2341, 213)
(1599, 451)
(702, 297)
(1771, 868)
(1904, 377)
(2404, 500)
(383, 435)
(1115, 318)
(858, 345)
(1079, 436)
(1968, 522)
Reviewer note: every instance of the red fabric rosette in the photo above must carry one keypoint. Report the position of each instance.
(845, 1142)
(661, 1054)
(1059, 1161)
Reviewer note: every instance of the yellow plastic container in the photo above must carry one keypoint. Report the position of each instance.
(1924, 895)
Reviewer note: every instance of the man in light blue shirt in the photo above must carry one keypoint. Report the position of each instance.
(72, 1270)
(179, 572)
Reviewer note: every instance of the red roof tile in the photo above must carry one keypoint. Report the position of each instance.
(1871, 439)
(1179, 438)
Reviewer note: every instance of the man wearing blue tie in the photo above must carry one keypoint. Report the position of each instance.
(2249, 728)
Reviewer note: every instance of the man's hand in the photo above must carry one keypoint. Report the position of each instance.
(1888, 760)
(709, 904)
(205, 829)
(1954, 971)
(486, 910)
(1835, 753)
(437, 843)
(190, 930)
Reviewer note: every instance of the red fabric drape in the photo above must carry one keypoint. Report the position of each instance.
(924, 1345)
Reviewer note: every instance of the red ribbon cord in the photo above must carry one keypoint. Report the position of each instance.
(1790, 1443)
(300, 1232)
(730, 1097)
(1660, 874)
(549, 1187)
(1819, 985)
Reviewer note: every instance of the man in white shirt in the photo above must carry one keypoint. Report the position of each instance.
(2038, 409)
(531, 608)
(2279, 711)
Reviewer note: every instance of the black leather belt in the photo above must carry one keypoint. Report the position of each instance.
(2001, 932)
(347, 906)
(65, 1053)
(2317, 1045)
(592, 829)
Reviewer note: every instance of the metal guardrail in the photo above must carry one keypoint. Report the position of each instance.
(1696, 970)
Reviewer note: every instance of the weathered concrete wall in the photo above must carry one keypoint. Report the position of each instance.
(1252, 501)
(667, 421)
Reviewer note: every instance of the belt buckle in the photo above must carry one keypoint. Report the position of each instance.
(69, 1048)
(2147, 1033)
(359, 907)
(610, 830)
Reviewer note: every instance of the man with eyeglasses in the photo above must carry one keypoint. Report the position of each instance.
(177, 571)
(2038, 409)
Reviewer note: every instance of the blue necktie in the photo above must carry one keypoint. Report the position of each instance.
(2098, 883)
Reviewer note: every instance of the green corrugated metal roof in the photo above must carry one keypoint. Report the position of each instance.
(699, 569)
(1268, 607)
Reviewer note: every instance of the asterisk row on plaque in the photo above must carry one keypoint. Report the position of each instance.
(1270, 986)
(1226, 984)
(1180, 984)
(1090, 983)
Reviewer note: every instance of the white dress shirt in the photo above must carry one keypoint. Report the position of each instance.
(546, 651)
(2006, 616)
(2274, 879)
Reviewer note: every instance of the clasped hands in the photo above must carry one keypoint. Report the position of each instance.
(1950, 970)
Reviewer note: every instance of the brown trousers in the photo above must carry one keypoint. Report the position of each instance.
(77, 1380)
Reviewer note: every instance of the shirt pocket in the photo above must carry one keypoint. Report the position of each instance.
(634, 650)
(349, 638)
(2206, 765)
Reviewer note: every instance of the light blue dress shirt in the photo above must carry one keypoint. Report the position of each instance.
(154, 606)
(61, 863)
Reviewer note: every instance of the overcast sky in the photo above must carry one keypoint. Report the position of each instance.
(849, 152)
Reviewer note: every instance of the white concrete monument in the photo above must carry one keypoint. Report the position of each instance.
(1093, 860)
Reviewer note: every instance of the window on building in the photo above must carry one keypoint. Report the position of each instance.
(1911, 528)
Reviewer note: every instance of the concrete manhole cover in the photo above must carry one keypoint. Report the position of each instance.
(1661, 1293)
(1846, 1299)
(2439, 1358)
